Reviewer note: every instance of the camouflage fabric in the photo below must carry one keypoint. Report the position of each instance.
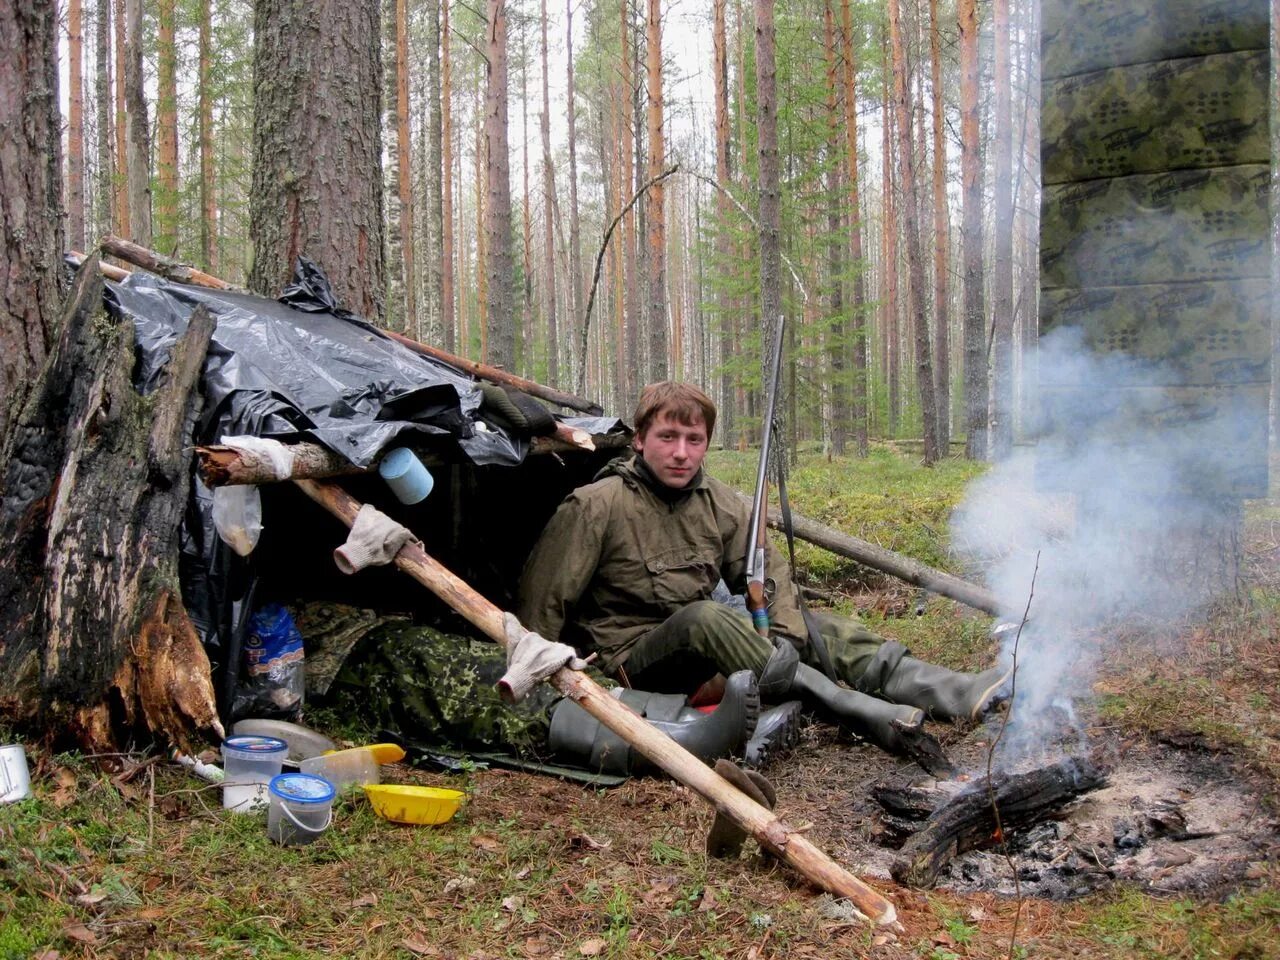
(1082, 35)
(1152, 117)
(1180, 333)
(1164, 228)
(438, 688)
(616, 561)
(329, 632)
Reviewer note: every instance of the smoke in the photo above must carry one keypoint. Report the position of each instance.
(1115, 514)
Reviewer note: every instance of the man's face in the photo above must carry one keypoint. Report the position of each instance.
(673, 450)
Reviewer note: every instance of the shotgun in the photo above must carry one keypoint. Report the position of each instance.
(757, 602)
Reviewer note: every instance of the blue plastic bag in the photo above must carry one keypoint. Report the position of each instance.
(274, 675)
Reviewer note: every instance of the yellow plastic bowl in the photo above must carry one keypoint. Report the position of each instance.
(409, 804)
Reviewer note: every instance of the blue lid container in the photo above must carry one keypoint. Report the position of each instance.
(302, 788)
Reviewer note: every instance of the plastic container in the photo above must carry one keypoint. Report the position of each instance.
(344, 768)
(301, 808)
(303, 741)
(249, 763)
(15, 775)
(408, 479)
(425, 806)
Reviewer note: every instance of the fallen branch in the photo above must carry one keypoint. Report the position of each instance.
(182, 273)
(773, 834)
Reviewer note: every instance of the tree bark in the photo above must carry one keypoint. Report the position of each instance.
(447, 312)
(75, 123)
(140, 198)
(433, 256)
(166, 195)
(770, 189)
(404, 183)
(889, 253)
(122, 225)
(1002, 269)
(941, 244)
(975, 345)
(724, 244)
(660, 350)
(630, 254)
(208, 182)
(93, 635)
(317, 183)
(838, 334)
(30, 198)
(104, 179)
(526, 210)
(499, 320)
(548, 224)
(910, 219)
(859, 306)
(575, 240)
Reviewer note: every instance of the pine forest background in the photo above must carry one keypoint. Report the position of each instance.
(907, 189)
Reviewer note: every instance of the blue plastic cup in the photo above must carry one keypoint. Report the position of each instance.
(408, 479)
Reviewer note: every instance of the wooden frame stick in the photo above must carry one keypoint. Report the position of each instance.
(773, 834)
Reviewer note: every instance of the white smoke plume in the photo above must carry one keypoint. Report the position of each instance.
(1115, 516)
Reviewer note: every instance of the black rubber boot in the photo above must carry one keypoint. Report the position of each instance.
(892, 727)
(579, 738)
(777, 731)
(725, 839)
(946, 694)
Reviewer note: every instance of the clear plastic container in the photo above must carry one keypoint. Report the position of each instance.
(301, 808)
(344, 768)
(249, 763)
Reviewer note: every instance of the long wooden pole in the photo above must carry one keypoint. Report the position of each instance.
(773, 834)
(179, 272)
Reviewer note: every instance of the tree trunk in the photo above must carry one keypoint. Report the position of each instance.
(655, 202)
(526, 324)
(941, 244)
(724, 244)
(548, 225)
(317, 183)
(433, 205)
(102, 106)
(630, 258)
(208, 184)
(446, 188)
(404, 181)
(75, 124)
(838, 334)
(770, 190)
(395, 313)
(860, 319)
(122, 126)
(889, 254)
(499, 320)
(975, 340)
(93, 635)
(30, 198)
(1002, 271)
(910, 218)
(575, 240)
(166, 196)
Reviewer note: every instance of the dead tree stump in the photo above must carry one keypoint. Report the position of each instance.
(94, 641)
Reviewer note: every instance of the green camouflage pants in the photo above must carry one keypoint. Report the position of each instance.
(437, 688)
(706, 638)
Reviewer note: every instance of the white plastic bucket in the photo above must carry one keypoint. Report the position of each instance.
(15, 777)
(249, 764)
(301, 808)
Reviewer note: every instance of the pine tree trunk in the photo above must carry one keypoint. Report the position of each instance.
(629, 254)
(30, 198)
(655, 198)
(208, 184)
(975, 341)
(860, 318)
(433, 256)
(75, 124)
(770, 188)
(941, 244)
(1002, 267)
(123, 227)
(889, 241)
(317, 184)
(548, 205)
(838, 334)
(93, 635)
(102, 99)
(166, 195)
(527, 357)
(447, 311)
(404, 179)
(395, 314)
(724, 244)
(499, 319)
(575, 239)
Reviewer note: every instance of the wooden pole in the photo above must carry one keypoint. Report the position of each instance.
(773, 834)
(172, 269)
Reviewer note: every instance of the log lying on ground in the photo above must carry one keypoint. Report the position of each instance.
(179, 272)
(96, 477)
(895, 564)
(773, 834)
(222, 466)
(967, 820)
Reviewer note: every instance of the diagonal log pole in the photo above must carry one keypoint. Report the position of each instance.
(773, 834)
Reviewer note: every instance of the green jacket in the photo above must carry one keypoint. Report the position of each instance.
(616, 560)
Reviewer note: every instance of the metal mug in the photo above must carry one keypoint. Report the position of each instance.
(15, 778)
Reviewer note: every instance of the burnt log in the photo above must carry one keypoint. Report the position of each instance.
(967, 820)
(94, 641)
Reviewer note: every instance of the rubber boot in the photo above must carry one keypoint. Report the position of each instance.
(892, 727)
(777, 731)
(579, 738)
(946, 694)
(725, 839)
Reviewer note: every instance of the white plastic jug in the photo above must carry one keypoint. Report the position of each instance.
(15, 778)
(301, 808)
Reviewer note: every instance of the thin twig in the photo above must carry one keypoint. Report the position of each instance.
(995, 742)
(151, 808)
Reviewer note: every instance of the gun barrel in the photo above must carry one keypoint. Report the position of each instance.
(762, 474)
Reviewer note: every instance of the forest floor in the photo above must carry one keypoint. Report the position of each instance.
(144, 863)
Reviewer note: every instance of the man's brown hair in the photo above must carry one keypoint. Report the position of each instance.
(682, 402)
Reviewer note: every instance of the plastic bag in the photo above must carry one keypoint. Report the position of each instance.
(274, 668)
(237, 515)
